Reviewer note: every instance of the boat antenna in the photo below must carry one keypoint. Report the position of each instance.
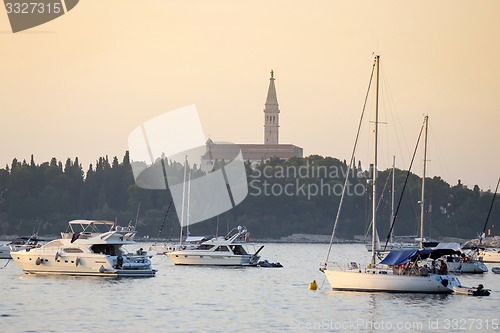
(404, 187)
(350, 165)
(217, 228)
(137, 215)
(489, 212)
(163, 222)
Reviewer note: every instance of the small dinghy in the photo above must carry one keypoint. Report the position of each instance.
(496, 270)
(472, 291)
(266, 263)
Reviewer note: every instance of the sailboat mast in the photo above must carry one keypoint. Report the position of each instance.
(489, 212)
(183, 199)
(374, 171)
(392, 197)
(422, 196)
(188, 200)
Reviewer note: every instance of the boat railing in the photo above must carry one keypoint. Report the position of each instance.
(238, 235)
(341, 266)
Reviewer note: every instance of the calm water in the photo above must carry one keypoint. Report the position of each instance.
(202, 299)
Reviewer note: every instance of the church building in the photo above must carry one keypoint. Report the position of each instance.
(258, 152)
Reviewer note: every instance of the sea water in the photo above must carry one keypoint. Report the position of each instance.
(222, 299)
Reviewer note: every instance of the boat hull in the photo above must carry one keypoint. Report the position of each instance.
(476, 267)
(5, 252)
(374, 282)
(211, 259)
(490, 256)
(78, 265)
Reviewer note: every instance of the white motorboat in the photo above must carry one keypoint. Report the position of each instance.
(400, 271)
(490, 255)
(86, 250)
(460, 262)
(231, 250)
(465, 265)
(18, 244)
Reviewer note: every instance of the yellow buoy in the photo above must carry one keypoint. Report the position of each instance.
(313, 285)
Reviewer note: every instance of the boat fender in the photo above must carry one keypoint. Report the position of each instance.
(57, 256)
(38, 261)
(77, 261)
(102, 269)
(313, 285)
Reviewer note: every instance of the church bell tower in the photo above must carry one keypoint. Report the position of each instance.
(271, 115)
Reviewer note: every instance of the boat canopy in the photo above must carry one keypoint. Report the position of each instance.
(399, 257)
(435, 253)
(404, 256)
(193, 239)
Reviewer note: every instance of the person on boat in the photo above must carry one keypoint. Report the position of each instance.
(140, 252)
(443, 269)
(119, 262)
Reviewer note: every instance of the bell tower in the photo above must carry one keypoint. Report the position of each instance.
(271, 115)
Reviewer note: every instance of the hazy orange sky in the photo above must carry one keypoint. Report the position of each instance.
(78, 85)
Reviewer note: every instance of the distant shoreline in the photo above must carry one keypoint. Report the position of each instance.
(292, 239)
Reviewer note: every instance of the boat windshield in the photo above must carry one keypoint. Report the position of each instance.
(108, 249)
(238, 250)
(205, 247)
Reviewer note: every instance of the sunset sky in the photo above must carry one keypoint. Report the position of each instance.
(78, 85)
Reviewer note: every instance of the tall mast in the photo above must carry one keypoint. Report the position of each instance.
(422, 196)
(392, 197)
(374, 171)
(489, 212)
(188, 200)
(183, 199)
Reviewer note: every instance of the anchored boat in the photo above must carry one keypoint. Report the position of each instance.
(400, 271)
(85, 250)
(231, 250)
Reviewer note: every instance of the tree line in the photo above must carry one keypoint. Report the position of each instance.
(298, 195)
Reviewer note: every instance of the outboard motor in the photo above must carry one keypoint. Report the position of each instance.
(119, 262)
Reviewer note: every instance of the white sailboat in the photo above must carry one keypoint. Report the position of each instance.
(399, 271)
(191, 242)
(489, 254)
